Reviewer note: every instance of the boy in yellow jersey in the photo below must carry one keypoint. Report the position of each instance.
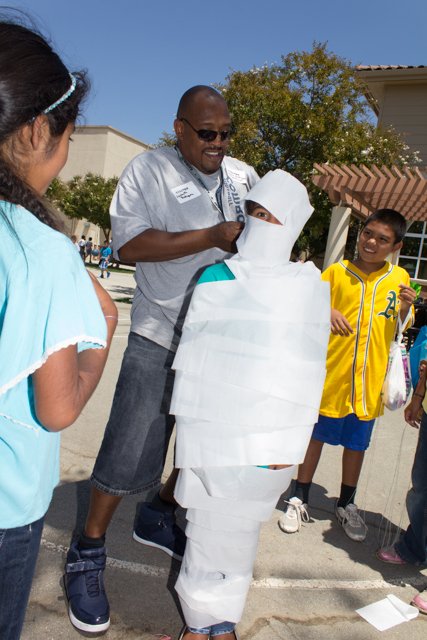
(366, 297)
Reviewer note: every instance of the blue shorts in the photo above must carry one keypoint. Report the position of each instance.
(350, 431)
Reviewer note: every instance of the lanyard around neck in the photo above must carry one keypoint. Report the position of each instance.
(217, 199)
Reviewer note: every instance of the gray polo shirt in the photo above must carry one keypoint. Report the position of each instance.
(157, 190)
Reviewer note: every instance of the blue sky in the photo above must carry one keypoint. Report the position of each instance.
(143, 54)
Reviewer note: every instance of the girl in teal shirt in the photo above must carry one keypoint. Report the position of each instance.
(52, 349)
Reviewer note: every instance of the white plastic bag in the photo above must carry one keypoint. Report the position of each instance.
(397, 383)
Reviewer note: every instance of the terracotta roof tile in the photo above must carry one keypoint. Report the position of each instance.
(388, 67)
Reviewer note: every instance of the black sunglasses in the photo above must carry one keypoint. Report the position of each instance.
(208, 135)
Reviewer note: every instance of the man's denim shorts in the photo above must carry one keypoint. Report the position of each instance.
(136, 439)
(350, 431)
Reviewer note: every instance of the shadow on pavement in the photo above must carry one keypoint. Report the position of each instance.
(124, 291)
(365, 552)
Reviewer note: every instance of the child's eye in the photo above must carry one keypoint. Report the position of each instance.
(71, 139)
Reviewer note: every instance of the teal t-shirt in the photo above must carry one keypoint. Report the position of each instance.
(47, 302)
(216, 273)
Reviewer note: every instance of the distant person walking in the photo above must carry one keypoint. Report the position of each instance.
(82, 245)
(88, 250)
(104, 259)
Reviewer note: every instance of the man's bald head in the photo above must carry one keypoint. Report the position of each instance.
(195, 95)
(202, 110)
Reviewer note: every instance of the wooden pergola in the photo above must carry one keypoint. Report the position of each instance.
(360, 190)
(366, 189)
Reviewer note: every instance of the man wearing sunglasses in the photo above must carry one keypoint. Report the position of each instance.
(175, 211)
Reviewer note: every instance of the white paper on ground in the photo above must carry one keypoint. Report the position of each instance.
(387, 613)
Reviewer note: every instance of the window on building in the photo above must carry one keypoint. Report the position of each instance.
(413, 254)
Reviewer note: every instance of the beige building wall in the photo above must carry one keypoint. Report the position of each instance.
(119, 151)
(398, 95)
(405, 108)
(102, 150)
(86, 154)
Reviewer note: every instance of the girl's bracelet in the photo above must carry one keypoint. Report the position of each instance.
(114, 317)
(419, 395)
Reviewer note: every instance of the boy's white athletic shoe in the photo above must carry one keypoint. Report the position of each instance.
(352, 523)
(296, 513)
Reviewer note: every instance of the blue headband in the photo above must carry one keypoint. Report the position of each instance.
(64, 97)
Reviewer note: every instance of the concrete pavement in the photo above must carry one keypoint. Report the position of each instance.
(306, 585)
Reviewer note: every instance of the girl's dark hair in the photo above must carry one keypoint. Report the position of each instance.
(32, 77)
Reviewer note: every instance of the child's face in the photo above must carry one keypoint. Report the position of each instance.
(262, 214)
(376, 242)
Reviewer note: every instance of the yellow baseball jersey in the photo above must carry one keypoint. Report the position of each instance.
(356, 365)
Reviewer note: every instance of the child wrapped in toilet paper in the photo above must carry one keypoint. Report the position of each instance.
(249, 374)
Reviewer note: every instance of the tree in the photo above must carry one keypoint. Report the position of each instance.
(85, 197)
(57, 192)
(310, 108)
(166, 140)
